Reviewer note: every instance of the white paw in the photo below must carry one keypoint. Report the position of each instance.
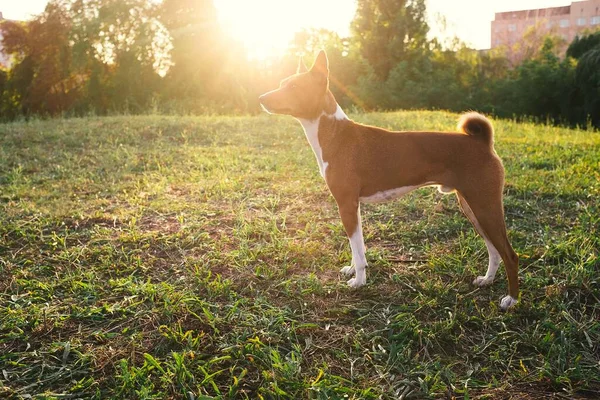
(507, 302)
(347, 270)
(482, 281)
(356, 283)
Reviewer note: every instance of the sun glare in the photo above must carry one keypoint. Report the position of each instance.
(266, 27)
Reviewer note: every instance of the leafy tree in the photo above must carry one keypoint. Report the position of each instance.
(41, 79)
(540, 87)
(486, 70)
(533, 41)
(199, 47)
(116, 55)
(389, 32)
(583, 44)
(131, 40)
(81, 54)
(587, 76)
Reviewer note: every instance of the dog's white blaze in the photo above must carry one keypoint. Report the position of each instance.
(311, 130)
(388, 195)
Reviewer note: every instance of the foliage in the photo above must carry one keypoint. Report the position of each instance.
(173, 57)
(42, 79)
(588, 84)
(86, 54)
(539, 87)
(535, 40)
(158, 257)
(389, 32)
(583, 44)
(201, 52)
(129, 38)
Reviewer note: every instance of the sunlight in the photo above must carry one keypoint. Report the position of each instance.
(265, 27)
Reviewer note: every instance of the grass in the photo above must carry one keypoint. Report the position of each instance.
(197, 257)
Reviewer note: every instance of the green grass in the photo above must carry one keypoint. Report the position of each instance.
(197, 257)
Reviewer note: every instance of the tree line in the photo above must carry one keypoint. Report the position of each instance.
(134, 56)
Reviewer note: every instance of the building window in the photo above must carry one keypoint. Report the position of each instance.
(549, 24)
(512, 27)
(564, 23)
(596, 20)
(581, 21)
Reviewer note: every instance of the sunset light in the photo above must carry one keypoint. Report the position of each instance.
(265, 27)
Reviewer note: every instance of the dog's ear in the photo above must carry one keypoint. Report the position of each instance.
(301, 66)
(321, 66)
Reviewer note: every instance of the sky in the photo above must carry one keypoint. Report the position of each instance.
(267, 25)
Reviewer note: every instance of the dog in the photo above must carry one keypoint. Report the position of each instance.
(366, 164)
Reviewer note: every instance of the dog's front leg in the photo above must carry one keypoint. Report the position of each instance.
(350, 213)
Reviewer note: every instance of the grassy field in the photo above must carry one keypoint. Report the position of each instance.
(197, 257)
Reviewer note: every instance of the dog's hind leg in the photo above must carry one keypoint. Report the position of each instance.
(350, 213)
(489, 215)
(494, 256)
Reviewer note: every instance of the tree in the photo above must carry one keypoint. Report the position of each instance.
(389, 31)
(540, 87)
(532, 42)
(583, 44)
(130, 40)
(81, 54)
(585, 102)
(587, 76)
(42, 77)
(199, 47)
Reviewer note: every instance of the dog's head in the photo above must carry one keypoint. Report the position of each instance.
(303, 95)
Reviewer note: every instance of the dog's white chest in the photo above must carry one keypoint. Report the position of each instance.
(311, 129)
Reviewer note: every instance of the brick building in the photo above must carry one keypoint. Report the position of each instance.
(509, 27)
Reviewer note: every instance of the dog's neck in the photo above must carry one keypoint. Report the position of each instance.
(330, 109)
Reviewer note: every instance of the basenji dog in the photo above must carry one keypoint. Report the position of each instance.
(366, 164)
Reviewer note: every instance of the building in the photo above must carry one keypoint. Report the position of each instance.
(509, 27)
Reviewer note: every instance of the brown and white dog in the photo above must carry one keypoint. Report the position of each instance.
(366, 164)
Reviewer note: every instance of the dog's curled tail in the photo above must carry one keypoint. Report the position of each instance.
(475, 124)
